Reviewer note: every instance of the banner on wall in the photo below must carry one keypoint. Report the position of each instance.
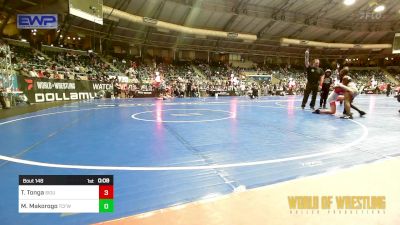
(44, 90)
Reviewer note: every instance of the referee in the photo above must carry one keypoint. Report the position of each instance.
(314, 80)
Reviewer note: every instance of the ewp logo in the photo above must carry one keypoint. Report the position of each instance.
(37, 21)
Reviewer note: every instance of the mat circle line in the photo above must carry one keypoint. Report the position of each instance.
(334, 150)
(134, 116)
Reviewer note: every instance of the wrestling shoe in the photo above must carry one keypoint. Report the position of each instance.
(347, 116)
(317, 111)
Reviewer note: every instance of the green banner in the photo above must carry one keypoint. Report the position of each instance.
(48, 90)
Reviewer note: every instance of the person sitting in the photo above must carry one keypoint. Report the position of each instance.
(40, 74)
(32, 72)
(77, 77)
(56, 75)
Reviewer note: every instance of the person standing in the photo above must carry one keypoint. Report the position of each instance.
(314, 80)
(325, 88)
(253, 92)
(388, 89)
(398, 97)
(2, 99)
(116, 89)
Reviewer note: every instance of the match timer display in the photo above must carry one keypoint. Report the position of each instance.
(66, 193)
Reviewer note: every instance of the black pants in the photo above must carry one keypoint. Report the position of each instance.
(310, 89)
(353, 107)
(324, 96)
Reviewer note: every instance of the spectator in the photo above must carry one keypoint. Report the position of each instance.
(32, 72)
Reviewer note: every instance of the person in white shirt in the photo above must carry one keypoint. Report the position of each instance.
(32, 72)
(130, 72)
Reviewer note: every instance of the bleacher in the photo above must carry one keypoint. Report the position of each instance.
(61, 63)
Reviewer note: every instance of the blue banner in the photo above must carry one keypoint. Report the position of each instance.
(37, 21)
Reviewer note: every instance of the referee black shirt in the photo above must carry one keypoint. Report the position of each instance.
(313, 75)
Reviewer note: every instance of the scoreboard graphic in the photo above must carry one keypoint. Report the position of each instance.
(66, 193)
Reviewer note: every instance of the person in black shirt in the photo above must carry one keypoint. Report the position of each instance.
(398, 97)
(2, 100)
(314, 80)
(325, 88)
(116, 89)
(254, 92)
(388, 89)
